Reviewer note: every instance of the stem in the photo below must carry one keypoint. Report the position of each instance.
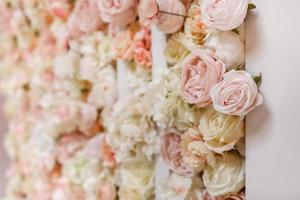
(169, 13)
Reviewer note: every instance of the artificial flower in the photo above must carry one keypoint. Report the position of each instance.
(236, 94)
(200, 71)
(220, 131)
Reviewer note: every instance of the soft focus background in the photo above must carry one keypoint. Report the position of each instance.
(3, 158)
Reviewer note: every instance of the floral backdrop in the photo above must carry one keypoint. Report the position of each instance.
(81, 129)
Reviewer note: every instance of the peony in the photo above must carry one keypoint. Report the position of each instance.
(194, 151)
(225, 15)
(123, 45)
(170, 23)
(229, 47)
(227, 176)
(200, 71)
(85, 18)
(171, 153)
(175, 52)
(236, 94)
(220, 132)
(118, 12)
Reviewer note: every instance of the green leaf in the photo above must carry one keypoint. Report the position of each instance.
(251, 6)
(236, 31)
(257, 78)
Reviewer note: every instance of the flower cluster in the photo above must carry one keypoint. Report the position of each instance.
(204, 96)
(89, 121)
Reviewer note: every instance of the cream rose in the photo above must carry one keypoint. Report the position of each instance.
(85, 18)
(170, 23)
(200, 71)
(229, 47)
(220, 132)
(226, 176)
(194, 151)
(236, 94)
(118, 12)
(171, 153)
(225, 15)
(175, 52)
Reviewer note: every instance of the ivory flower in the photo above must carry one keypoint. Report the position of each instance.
(220, 132)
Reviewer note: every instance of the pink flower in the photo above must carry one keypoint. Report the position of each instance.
(147, 10)
(85, 18)
(118, 12)
(107, 192)
(170, 23)
(201, 70)
(60, 8)
(142, 57)
(237, 94)
(97, 148)
(225, 14)
(142, 53)
(68, 145)
(171, 153)
(123, 45)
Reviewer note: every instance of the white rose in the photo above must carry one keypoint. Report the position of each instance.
(226, 176)
(229, 47)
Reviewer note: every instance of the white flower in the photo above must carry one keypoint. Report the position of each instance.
(229, 47)
(226, 176)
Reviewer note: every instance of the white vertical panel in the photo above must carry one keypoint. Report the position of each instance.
(159, 41)
(273, 130)
(123, 90)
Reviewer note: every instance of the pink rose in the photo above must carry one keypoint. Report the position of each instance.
(123, 45)
(170, 23)
(85, 18)
(225, 14)
(118, 12)
(147, 10)
(142, 53)
(236, 94)
(171, 153)
(68, 145)
(201, 70)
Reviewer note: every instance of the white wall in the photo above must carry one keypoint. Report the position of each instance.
(273, 131)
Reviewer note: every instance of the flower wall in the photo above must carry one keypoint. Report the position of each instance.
(103, 96)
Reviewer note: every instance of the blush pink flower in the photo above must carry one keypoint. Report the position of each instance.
(171, 153)
(143, 57)
(170, 23)
(147, 10)
(236, 94)
(123, 45)
(118, 12)
(107, 192)
(201, 70)
(107, 152)
(85, 18)
(225, 14)
(60, 8)
(68, 145)
(142, 53)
